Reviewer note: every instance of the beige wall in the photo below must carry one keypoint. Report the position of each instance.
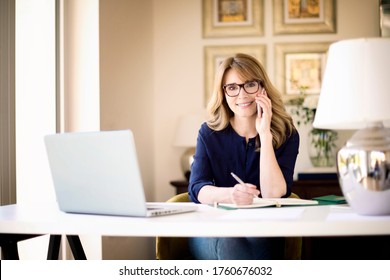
(126, 76)
(126, 97)
(179, 76)
(151, 59)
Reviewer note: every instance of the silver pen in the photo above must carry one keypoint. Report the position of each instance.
(238, 179)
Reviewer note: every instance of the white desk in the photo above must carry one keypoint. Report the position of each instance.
(207, 221)
(20, 222)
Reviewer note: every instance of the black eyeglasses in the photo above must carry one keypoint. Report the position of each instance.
(250, 87)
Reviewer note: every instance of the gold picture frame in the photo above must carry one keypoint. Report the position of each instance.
(214, 54)
(384, 17)
(299, 66)
(232, 18)
(316, 17)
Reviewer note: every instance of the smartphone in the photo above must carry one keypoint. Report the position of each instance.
(259, 110)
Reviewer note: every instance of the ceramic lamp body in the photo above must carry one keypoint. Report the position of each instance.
(364, 171)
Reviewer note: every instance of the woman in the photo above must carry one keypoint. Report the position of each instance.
(250, 134)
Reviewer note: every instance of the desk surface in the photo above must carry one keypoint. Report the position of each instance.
(207, 221)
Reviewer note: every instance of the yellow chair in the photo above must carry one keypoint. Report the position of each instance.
(176, 248)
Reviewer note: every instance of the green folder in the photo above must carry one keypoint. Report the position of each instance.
(330, 199)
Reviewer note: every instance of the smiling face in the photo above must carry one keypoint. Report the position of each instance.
(242, 105)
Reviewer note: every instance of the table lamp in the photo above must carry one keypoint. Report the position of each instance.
(186, 136)
(355, 94)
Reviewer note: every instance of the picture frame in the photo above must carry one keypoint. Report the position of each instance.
(384, 17)
(299, 67)
(316, 17)
(232, 18)
(213, 55)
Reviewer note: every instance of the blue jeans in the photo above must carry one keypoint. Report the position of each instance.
(232, 248)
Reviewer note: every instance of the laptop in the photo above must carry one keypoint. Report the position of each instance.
(98, 173)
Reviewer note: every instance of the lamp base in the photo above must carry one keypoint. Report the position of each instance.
(186, 160)
(364, 170)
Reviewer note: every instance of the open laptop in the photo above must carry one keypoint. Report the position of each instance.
(98, 173)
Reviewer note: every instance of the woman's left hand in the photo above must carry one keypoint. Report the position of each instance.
(264, 112)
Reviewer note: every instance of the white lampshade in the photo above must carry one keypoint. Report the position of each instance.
(187, 130)
(356, 86)
(186, 136)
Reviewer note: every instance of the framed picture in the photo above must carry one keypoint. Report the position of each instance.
(309, 16)
(232, 18)
(213, 56)
(384, 16)
(299, 68)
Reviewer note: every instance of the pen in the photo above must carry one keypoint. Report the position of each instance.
(238, 179)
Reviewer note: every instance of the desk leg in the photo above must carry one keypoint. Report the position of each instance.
(9, 244)
(74, 243)
(77, 248)
(54, 247)
(10, 250)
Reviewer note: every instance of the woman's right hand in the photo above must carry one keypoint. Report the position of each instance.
(244, 194)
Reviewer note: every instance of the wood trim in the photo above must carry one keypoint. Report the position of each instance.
(7, 103)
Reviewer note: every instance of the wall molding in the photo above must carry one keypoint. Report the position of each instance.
(7, 103)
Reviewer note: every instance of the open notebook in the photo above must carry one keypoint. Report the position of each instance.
(98, 173)
(271, 202)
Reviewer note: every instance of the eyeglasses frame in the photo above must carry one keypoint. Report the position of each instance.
(260, 83)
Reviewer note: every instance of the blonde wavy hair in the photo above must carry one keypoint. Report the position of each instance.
(248, 68)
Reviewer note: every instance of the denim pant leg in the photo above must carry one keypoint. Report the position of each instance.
(232, 248)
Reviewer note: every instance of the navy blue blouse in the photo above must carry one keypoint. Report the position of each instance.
(220, 152)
